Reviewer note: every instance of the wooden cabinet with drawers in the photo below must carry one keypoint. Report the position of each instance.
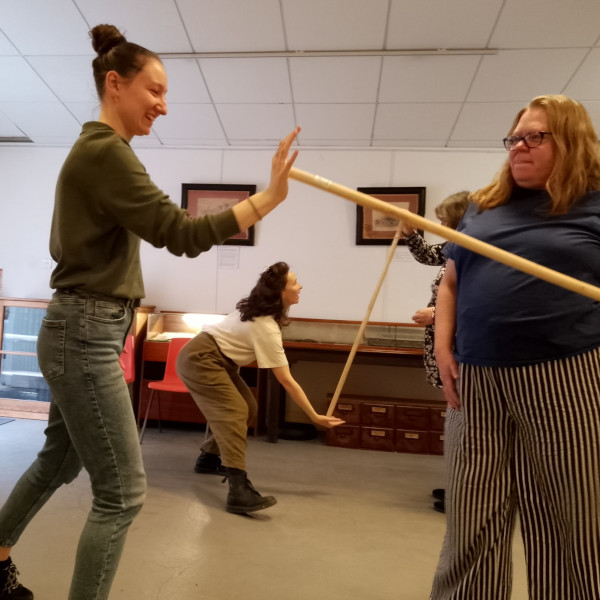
(390, 424)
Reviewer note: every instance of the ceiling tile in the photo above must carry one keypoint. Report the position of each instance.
(189, 121)
(436, 24)
(6, 48)
(344, 79)
(20, 83)
(84, 111)
(458, 101)
(426, 78)
(335, 122)
(34, 29)
(247, 79)
(336, 143)
(154, 24)
(488, 144)
(411, 143)
(415, 121)
(256, 121)
(586, 81)
(185, 81)
(520, 75)
(41, 121)
(485, 121)
(331, 24)
(593, 108)
(69, 77)
(8, 128)
(544, 24)
(233, 26)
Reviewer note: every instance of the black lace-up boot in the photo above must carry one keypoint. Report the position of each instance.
(242, 497)
(209, 464)
(10, 588)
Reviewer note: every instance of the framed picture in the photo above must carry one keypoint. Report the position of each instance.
(378, 228)
(201, 199)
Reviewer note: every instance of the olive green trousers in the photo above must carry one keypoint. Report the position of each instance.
(222, 395)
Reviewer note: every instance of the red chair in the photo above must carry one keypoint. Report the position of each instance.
(127, 360)
(169, 383)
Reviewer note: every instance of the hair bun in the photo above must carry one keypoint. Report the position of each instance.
(105, 38)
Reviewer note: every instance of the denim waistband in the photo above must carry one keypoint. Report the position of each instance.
(126, 302)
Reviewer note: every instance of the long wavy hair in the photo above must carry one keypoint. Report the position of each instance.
(265, 298)
(577, 157)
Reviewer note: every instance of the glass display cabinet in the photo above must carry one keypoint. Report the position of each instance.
(23, 390)
(164, 326)
(379, 335)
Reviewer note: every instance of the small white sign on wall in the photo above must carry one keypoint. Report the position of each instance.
(228, 257)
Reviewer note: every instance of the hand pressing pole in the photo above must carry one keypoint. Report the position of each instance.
(340, 385)
(475, 245)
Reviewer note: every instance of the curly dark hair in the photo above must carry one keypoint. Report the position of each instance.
(265, 298)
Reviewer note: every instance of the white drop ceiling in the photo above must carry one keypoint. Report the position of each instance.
(270, 80)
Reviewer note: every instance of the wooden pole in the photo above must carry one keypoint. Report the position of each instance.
(418, 222)
(361, 329)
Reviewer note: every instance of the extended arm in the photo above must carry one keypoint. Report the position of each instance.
(291, 386)
(422, 251)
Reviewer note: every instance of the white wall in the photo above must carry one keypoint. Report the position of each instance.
(313, 231)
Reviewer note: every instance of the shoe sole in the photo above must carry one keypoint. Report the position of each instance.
(242, 510)
(210, 472)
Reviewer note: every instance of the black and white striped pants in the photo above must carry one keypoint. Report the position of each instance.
(527, 439)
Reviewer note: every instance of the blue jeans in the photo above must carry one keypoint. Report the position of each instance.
(91, 425)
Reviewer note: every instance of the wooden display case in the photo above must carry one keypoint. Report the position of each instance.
(329, 340)
(392, 424)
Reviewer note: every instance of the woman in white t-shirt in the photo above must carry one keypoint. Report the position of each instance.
(209, 367)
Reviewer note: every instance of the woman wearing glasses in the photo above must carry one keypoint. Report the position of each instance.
(523, 382)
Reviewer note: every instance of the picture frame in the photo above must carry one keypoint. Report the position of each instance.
(376, 228)
(201, 199)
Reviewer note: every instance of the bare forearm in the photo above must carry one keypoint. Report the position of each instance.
(300, 398)
(259, 205)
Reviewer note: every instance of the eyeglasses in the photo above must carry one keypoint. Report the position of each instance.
(531, 140)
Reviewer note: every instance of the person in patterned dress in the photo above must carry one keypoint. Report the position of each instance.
(449, 212)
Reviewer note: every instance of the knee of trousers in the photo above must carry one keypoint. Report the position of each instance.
(123, 496)
(54, 473)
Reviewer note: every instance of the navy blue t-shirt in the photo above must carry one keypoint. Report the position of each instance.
(508, 318)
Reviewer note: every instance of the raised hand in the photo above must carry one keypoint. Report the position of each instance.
(280, 167)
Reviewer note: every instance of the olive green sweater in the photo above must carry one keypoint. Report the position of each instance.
(105, 203)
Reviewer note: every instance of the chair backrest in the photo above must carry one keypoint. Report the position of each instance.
(175, 345)
(127, 360)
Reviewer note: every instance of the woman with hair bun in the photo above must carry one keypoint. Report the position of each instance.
(209, 364)
(105, 204)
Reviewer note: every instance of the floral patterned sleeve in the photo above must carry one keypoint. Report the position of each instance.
(427, 254)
